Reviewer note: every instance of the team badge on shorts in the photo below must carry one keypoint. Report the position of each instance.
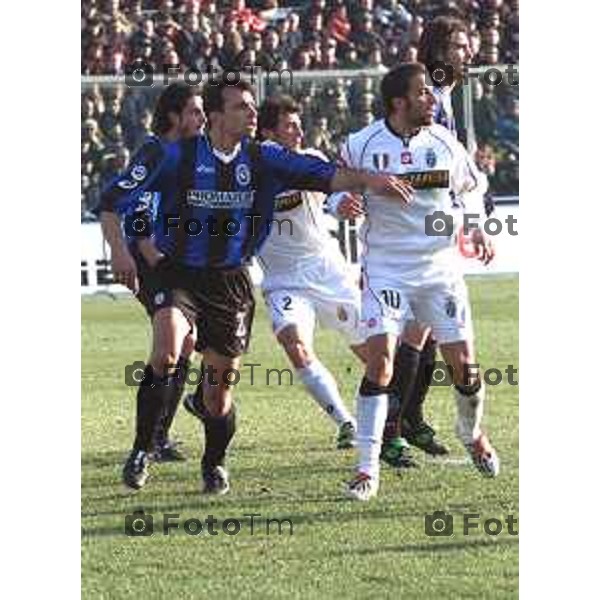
(451, 308)
(242, 174)
(159, 298)
(430, 158)
(342, 315)
(371, 322)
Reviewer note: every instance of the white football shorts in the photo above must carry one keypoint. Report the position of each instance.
(334, 301)
(387, 305)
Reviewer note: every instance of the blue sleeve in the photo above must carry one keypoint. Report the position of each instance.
(145, 208)
(296, 171)
(143, 174)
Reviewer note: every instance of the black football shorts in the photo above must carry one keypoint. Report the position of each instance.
(220, 301)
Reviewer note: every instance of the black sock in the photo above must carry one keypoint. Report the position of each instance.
(406, 363)
(414, 408)
(218, 432)
(469, 390)
(199, 393)
(151, 398)
(176, 387)
(390, 430)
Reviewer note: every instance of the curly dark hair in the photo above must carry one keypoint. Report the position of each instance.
(172, 100)
(435, 39)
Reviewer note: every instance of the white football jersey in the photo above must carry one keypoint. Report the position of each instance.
(445, 179)
(299, 242)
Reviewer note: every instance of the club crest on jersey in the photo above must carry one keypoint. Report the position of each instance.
(381, 161)
(139, 172)
(430, 158)
(242, 174)
(126, 184)
(406, 158)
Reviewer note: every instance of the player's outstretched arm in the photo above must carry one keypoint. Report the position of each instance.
(346, 205)
(379, 184)
(309, 173)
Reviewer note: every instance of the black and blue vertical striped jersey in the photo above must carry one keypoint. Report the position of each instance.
(213, 210)
(150, 153)
(444, 113)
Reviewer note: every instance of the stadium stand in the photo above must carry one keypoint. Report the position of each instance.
(302, 36)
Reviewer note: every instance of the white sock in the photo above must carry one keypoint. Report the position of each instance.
(323, 388)
(469, 414)
(371, 413)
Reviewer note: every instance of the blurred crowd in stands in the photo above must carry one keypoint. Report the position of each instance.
(299, 35)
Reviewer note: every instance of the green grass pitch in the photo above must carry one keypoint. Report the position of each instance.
(283, 465)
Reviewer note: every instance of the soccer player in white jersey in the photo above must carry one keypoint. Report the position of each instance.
(445, 50)
(408, 271)
(306, 278)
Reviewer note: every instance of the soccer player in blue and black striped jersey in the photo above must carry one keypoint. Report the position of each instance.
(217, 194)
(178, 114)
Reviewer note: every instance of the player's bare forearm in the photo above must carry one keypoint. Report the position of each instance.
(112, 231)
(123, 265)
(354, 180)
(483, 246)
(149, 251)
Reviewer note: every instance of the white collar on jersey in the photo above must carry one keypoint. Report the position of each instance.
(227, 157)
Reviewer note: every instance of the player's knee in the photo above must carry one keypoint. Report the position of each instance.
(298, 351)
(467, 373)
(164, 361)
(218, 399)
(189, 344)
(415, 335)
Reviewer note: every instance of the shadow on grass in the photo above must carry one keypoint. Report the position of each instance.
(432, 546)
(104, 469)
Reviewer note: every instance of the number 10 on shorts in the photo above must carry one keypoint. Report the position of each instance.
(391, 298)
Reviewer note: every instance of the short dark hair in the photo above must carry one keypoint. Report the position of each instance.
(212, 93)
(435, 39)
(172, 100)
(396, 83)
(272, 109)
